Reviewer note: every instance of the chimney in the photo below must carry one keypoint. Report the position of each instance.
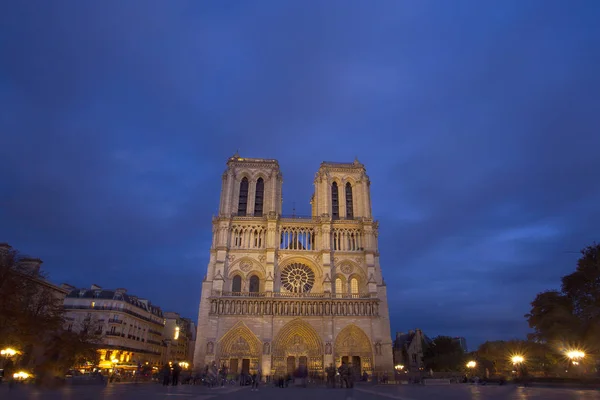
(95, 287)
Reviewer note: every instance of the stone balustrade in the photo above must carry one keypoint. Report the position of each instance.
(293, 304)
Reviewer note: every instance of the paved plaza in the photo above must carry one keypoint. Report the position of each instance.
(405, 392)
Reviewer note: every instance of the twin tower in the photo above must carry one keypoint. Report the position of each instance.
(286, 292)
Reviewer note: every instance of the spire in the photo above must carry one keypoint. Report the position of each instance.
(237, 154)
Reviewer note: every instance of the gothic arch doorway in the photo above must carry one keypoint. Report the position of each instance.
(353, 346)
(297, 345)
(239, 350)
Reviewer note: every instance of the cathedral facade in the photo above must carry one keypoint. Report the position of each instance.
(283, 292)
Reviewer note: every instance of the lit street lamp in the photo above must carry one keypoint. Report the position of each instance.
(8, 352)
(471, 364)
(575, 356)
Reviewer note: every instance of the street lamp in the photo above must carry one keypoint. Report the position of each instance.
(8, 352)
(399, 367)
(575, 356)
(517, 359)
(471, 364)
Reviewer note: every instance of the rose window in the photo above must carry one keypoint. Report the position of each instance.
(297, 278)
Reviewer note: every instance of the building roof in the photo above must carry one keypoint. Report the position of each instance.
(115, 295)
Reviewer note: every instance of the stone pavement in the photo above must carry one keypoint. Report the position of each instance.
(150, 391)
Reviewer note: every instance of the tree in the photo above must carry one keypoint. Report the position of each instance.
(495, 356)
(444, 354)
(571, 316)
(32, 320)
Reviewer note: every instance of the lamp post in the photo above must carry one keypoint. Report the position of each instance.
(398, 368)
(575, 357)
(518, 361)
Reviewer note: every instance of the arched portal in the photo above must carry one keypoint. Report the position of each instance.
(353, 346)
(297, 345)
(239, 350)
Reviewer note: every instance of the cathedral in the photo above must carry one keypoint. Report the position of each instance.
(286, 291)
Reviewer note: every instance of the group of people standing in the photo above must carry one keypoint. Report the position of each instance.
(171, 374)
(344, 375)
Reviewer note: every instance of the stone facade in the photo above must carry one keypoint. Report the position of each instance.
(285, 291)
(131, 327)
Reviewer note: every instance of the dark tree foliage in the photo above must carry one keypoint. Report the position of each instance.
(444, 354)
(571, 315)
(495, 357)
(32, 320)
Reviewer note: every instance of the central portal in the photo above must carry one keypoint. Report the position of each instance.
(297, 345)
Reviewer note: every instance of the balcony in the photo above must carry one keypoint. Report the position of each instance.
(294, 304)
(115, 321)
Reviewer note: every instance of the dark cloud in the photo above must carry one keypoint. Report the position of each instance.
(477, 125)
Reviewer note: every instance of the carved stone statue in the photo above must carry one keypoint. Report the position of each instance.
(210, 348)
(378, 348)
(267, 348)
(327, 348)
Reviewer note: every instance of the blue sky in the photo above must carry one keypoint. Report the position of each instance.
(477, 122)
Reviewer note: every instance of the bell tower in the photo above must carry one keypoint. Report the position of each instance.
(251, 187)
(342, 191)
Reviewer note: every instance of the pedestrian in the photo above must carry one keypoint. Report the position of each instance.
(176, 372)
(166, 373)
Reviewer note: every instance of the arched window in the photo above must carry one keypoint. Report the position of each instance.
(349, 206)
(243, 203)
(354, 286)
(258, 199)
(254, 284)
(335, 203)
(339, 286)
(236, 284)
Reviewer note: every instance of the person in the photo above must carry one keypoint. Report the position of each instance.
(330, 376)
(254, 382)
(176, 372)
(166, 372)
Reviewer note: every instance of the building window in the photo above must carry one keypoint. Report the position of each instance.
(254, 284)
(335, 205)
(236, 284)
(354, 286)
(259, 196)
(93, 304)
(243, 203)
(339, 287)
(349, 206)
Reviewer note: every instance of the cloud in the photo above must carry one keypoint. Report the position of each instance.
(477, 126)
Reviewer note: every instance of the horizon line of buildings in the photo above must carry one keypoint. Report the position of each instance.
(134, 332)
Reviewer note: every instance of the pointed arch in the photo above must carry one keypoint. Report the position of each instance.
(239, 342)
(243, 199)
(335, 201)
(254, 284)
(349, 204)
(352, 341)
(259, 197)
(354, 286)
(236, 284)
(298, 337)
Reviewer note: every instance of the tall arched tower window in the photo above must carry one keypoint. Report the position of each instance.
(335, 203)
(354, 286)
(254, 284)
(349, 207)
(339, 287)
(243, 203)
(258, 199)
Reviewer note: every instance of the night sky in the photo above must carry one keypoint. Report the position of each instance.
(478, 123)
